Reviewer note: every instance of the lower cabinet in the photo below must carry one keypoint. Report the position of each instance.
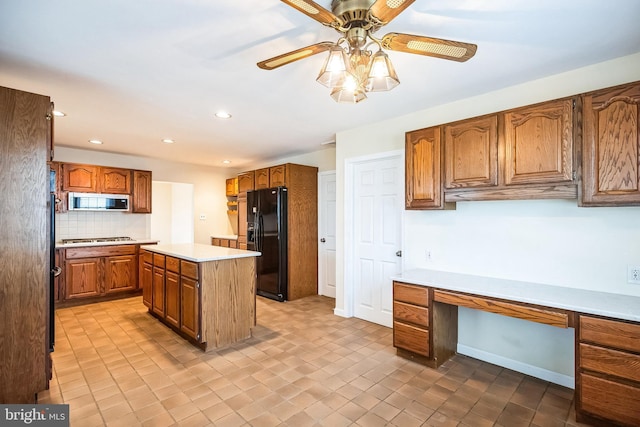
(98, 271)
(608, 371)
(225, 243)
(411, 318)
(171, 290)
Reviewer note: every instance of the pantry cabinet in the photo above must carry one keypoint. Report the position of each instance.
(611, 147)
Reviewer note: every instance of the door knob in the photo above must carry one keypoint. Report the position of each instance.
(323, 240)
(399, 253)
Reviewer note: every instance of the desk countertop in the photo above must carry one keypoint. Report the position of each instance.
(618, 306)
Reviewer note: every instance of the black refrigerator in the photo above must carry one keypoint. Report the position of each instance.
(267, 233)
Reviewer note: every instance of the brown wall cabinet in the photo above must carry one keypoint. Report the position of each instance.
(141, 194)
(232, 187)
(611, 147)
(262, 179)
(114, 180)
(81, 178)
(423, 169)
(246, 182)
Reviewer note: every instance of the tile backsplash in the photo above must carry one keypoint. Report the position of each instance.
(73, 225)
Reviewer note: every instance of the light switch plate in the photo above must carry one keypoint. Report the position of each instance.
(633, 274)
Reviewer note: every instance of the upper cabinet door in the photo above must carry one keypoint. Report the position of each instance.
(611, 145)
(423, 180)
(245, 182)
(232, 187)
(471, 153)
(82, 178)
(115, 180)
(141, 195)
(277, 176)
(539, 143)
(262, 178)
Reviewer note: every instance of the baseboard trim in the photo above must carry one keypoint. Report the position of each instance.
(340, 312)
(515, 365)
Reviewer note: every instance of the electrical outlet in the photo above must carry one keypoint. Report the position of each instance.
(203, 217)
(633, 274)
(427, 255)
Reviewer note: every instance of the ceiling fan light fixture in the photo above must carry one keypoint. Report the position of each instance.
(343, 95)
(336, 68)
(382, 75)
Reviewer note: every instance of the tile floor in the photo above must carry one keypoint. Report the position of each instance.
(115, 365)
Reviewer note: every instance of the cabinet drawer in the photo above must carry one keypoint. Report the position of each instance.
(189, 269)
(625, 336)
(173, 264)
(158, 260)
(609, 399)
(612, 362)
(100, 251)
(411, 313)
(146, 257)
(412, 294)
(411, 338)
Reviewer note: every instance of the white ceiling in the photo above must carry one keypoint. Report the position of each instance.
(131, 72)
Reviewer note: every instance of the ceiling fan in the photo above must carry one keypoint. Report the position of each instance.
(351, 68)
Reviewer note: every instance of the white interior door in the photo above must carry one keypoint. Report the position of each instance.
(377, 207)
(327, 234)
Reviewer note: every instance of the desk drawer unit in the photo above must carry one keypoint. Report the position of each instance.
(411, 318)
(608, 371)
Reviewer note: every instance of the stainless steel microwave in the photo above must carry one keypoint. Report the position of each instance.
(98, 202)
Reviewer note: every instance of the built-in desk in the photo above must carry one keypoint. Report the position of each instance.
(607, 339)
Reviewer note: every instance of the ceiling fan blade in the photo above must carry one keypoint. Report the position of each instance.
(295, 55)
(386, 10)
(315, 11)
(439, 48)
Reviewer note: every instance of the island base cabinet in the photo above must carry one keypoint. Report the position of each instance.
(172, 298)
(190, 312)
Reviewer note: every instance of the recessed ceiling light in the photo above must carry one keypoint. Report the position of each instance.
(226, 162)
(58, 113)
(95, 141)
(223, 115)
(168, 141)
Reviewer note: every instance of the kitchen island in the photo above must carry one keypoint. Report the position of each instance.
(207, 294)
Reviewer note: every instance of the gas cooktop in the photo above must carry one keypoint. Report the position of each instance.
(98, 240)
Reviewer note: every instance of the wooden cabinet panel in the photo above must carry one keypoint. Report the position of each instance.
(412, 294)
(233, 243)
(242, 220)
(172, 298)
(262, 179)
(278, 176)
(189, 269)
(81, 178)
(471, 153)
(611, 147)
(539, 143)
(114, 180)
(245, 182)
(411, 314)
(146, 279)
(611, 333)
(158, 260)
(100, 251)
(231, 187)
(610, 362)
(611, 400)
(157, 296)
(423, 185)
(141, 195)
(120, 273)
(83, 277)
(411, 338)
(190, 308)
(172, 264)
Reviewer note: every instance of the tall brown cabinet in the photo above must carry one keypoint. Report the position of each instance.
(25, 148)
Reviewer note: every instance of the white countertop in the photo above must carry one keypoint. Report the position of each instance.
(584, 301)
(225, 236)
(60, 245)
(197, 252)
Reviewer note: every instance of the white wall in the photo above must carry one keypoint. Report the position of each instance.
(324, 159)
(172, 217)
(208, 184)
(552, 242)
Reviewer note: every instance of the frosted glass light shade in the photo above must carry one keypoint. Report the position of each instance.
(382, 76)
(347, 96)
(335, 69)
